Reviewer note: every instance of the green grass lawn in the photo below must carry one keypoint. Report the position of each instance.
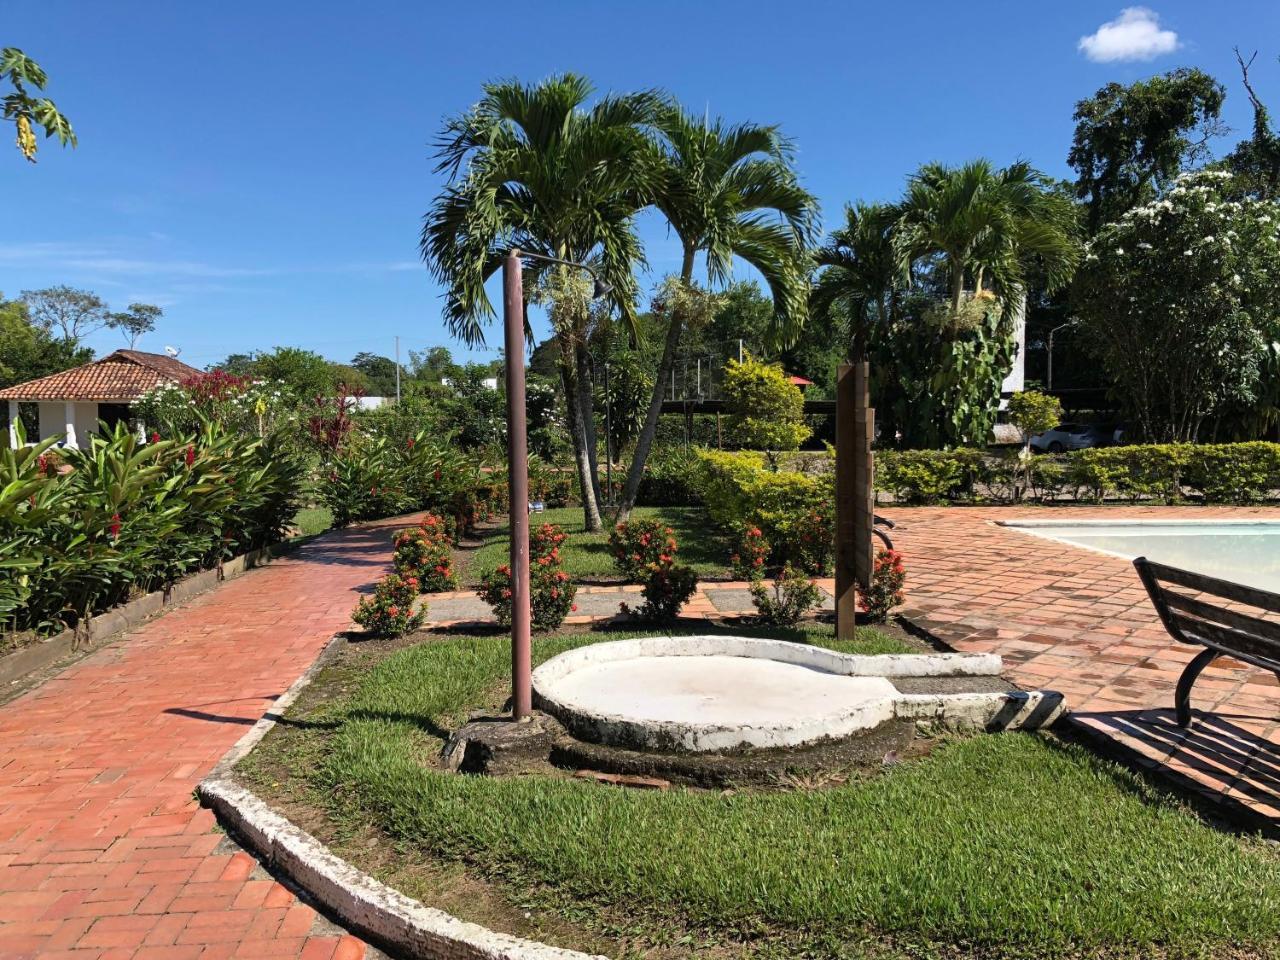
(1010, 845)
(703, 546)
(313, 520)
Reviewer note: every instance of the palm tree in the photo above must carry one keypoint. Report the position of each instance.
(726, 191)
(857, 282)
(988, 225)
(531, 166)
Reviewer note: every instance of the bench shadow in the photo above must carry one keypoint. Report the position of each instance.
(1212, 758)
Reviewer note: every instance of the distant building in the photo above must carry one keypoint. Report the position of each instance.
(73, 401)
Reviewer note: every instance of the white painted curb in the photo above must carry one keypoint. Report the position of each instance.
(368, 906)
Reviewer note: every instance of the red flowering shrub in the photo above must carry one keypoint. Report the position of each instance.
(425, 552)
(551, 592)
(636, 544)
(390, 612)
(806, 540)
(888, 575)
(748, 560)
(791, 596)
(667, 587)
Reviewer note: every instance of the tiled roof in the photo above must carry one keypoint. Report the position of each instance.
(121, 377)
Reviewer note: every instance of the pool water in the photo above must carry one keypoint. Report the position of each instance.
(1245, 552)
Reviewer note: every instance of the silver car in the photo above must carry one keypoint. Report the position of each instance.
(1071, 436)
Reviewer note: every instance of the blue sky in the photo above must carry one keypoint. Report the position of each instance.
(259, 169)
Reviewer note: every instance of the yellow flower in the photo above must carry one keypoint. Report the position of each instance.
(26, 139)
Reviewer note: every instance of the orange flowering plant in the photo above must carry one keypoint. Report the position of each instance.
(390, 611)
(637, 544)
(551, 592)
(425, 552)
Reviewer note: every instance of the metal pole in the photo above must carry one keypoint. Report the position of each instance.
(518, 478)
(739, 349)
(397, 369)
(1051, 333)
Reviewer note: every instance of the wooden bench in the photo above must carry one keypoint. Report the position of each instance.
(1202, 620)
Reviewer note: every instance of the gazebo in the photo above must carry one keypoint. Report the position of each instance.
(73, 401)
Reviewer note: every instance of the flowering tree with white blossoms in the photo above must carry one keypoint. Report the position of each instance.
(1180, 299)
(240, 404)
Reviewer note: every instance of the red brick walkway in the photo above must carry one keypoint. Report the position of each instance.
(1077, 621)
(103, 851)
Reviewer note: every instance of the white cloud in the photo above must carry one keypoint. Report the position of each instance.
(1134, 35)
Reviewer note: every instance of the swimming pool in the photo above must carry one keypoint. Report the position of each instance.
(1243, 551)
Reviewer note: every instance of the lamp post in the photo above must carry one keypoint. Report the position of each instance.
(518, 471)
(1060, 326)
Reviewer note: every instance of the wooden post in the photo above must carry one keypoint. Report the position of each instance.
(855, 429)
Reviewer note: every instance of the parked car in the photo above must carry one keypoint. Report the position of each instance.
(1072, 436)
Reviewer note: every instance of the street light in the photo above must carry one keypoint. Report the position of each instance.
(518, 469)
(1061, 326)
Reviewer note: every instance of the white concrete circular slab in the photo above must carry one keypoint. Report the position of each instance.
(716, 690)
(710, 693)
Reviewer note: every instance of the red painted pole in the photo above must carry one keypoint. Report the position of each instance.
(518, 476)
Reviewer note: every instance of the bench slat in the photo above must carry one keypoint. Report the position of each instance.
(1236, 643)
(1222, 588)
(1265, 629)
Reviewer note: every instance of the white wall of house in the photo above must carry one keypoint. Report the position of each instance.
(1016, 380)
(55, 416)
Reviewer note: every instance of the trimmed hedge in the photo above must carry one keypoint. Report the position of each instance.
(1169, 473)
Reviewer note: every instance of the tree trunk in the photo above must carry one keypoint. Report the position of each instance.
(586, 412)
(577, 432)
(957, 284)
(644, 442)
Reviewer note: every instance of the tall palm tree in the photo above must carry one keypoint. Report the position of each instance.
(533, 167)
(858, 275)
(988, 225)
(728, 191)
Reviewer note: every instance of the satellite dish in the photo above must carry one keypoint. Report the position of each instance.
(172, 351)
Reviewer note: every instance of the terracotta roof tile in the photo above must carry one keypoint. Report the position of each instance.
(121, 377)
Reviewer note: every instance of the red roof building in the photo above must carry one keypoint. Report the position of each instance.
(73, 401)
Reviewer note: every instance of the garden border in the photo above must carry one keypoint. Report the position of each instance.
(25, 661)
(367, 906)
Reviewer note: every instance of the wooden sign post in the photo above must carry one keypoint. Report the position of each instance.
(855, 429)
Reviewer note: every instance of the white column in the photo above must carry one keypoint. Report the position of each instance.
(13, 424)
(71, 425)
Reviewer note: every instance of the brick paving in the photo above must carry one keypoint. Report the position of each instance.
(1077, 621)
(104, 854)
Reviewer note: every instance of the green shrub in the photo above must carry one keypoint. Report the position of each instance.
(766, 410)
(666, 480)
(927, 476)
(793, 510)
(1233, 472)
(784, 603)
(888, 576)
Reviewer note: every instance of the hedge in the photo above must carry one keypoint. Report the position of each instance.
(128, 517)
(1169, 473)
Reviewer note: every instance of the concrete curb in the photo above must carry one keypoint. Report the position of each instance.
(26, 660)
(365, 905)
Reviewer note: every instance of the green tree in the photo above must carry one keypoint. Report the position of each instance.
(26, 111)
(1132, 141)
(70, 313)
(306, 374)
(858, 281)
(1179, 298)
(986, 227)
(378, 372)
(728, 191)
(534, 167)
(766, 410)
(138, 320)
(28, 351)
(1032, 412)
